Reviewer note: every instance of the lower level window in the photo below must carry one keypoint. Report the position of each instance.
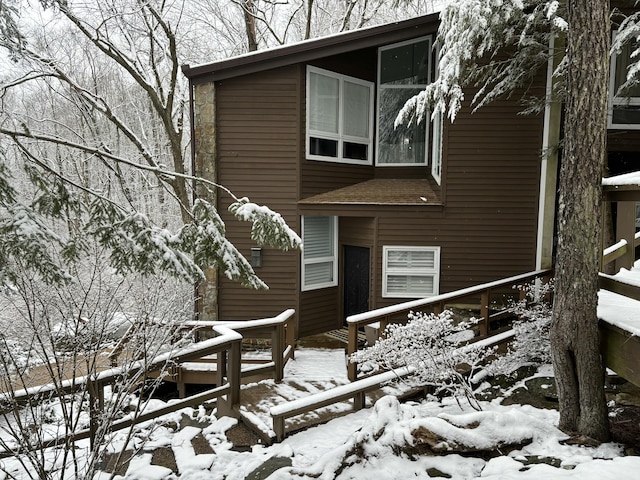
(410, 272)
(319, 257)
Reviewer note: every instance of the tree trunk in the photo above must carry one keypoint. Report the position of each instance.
(249, 9)
(574, 336)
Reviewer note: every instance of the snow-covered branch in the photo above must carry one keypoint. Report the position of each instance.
(494, 46)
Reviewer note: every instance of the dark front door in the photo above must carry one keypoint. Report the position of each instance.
(356, 280)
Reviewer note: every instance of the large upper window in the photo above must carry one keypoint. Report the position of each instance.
(339, 117)
(319, 257)
(624, 106)
(404, 70)
(410, 272)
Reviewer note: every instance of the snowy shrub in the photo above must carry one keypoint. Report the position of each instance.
(531, 344)
(56, 331)
(434, 346)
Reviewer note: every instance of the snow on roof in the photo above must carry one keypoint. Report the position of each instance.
(618, 310)
(632, 178)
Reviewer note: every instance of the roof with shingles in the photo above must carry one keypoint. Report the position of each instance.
(379, 192)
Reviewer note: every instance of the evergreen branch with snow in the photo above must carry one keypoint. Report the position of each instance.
(628, 34)
(471, 33)
(268, 227)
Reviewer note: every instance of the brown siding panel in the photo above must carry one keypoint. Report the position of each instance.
(319, 311)
(487, 228)
(258, 156)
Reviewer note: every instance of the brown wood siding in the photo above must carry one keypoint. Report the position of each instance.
(359, 232)
(257, 129)
(488, 225)
(319, 311)
(623, 140)
(320, 177)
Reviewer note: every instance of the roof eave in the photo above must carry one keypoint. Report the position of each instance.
(312, 49)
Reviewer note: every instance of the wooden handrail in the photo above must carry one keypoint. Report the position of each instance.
(619, 249)
(437, 303)
(280, 329)
(227, 344)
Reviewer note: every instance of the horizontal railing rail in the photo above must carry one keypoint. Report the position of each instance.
(619, 250)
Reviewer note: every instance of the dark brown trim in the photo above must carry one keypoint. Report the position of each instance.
(312, 49)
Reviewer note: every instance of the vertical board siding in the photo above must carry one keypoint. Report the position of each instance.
(258, 117)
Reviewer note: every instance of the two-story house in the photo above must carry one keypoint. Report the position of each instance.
(386, 213)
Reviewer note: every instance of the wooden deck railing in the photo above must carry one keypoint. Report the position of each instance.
(619, 250)
(480, 295)
(620, 348)
(226, 344)
(280, 330)
(356, 390)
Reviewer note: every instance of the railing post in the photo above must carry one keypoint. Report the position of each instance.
(352, 347)
(626, 230)
(96, 406)
(278, 427)
(290, 334)
(485, 298)
(233, 374)
(227, 407)
(221, 369)
(383, 327)
(277, 350)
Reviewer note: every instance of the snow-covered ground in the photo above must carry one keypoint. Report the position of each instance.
(381, 442)
(328, 451)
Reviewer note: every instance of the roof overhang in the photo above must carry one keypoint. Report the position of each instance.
(414, 192)
(313, 49)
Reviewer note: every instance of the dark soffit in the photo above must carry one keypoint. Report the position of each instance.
(312, 49)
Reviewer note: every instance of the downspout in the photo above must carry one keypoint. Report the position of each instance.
(548, 167)
(196, 295)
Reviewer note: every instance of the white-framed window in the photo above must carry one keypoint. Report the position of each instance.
(339, 117)
(410, 272)
(404, 70)
(319, 254)
(624, 106)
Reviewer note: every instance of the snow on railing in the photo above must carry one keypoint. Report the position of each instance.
(226, 344)
(437, 304)
(280, 329)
